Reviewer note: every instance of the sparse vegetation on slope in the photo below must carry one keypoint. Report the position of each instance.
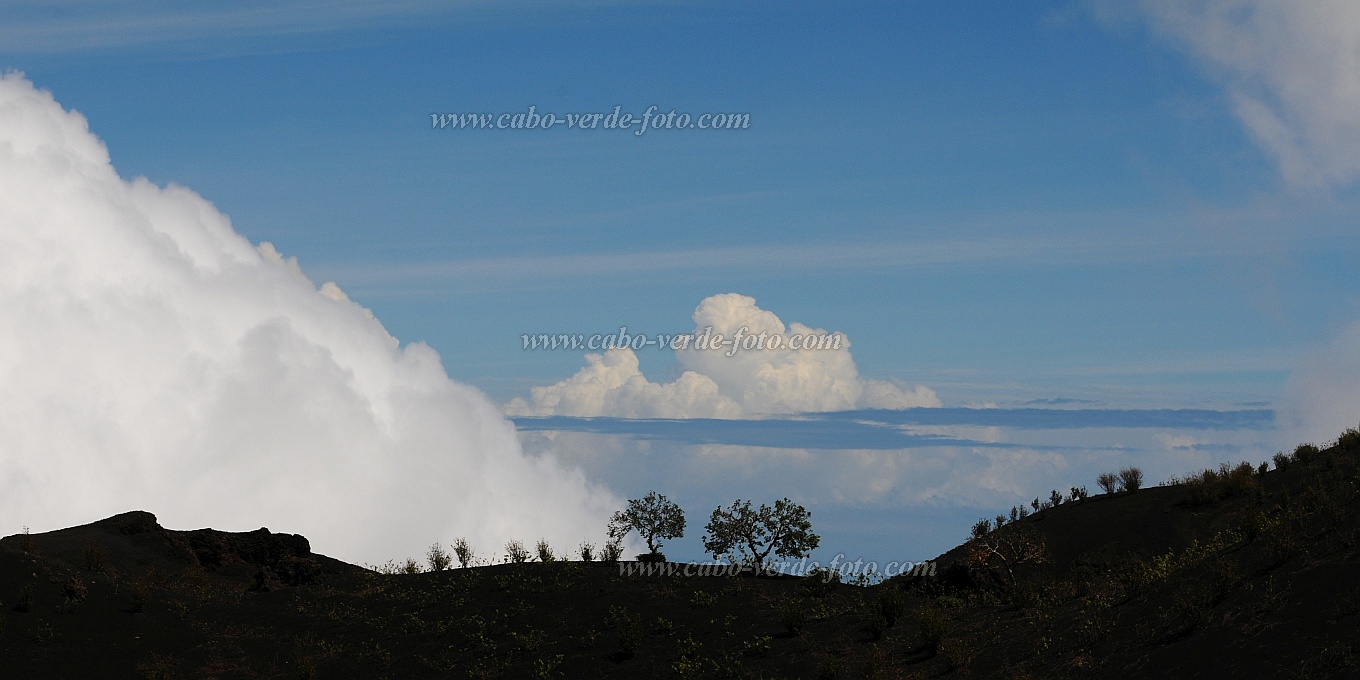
(1242, 570)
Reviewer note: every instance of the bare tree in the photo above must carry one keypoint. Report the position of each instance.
(1108, 482)
(1130, 479)
(1001, 550)
(515, 553)
(463, 550)
(437, 558)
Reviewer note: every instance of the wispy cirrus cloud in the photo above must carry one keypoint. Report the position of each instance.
(1140, 244)
(75, 25)
(1291, 71)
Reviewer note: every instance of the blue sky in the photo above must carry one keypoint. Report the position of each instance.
(1002, 202)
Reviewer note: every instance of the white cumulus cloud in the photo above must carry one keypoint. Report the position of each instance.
(726, 382)
(152, 358)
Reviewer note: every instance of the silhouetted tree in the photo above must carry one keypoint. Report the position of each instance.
(750, 534)
(1108, 482)
(1130, 479)
(654, 518)
(1001, 550)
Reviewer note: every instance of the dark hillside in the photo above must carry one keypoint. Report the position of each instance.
(1243, 571)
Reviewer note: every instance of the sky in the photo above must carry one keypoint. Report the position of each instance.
(1056, 238)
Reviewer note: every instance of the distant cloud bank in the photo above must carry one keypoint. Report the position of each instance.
(893, 429)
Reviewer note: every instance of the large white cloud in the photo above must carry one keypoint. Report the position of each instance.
(726, 382)
(152, 358)
(1292, 70)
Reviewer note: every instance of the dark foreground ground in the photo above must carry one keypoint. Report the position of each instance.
(1235, 573)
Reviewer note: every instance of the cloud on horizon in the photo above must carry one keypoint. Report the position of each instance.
(726, 382)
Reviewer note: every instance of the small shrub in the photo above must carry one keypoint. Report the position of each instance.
(877, 663)
(1079, 493)
(1262, 469)
(958, 654)
(74, 589)
(463, 551)
(794, 616)
(94, 559)
(876, 626)
(1305, 454)
(44, 634)
(545, 553)
(949, 602)
(411, 566)
(1211, 486)
(1055, 498)
(515, 553)
(616, 616)
(891, 604)
(24, 603)
(611, 552)
(1349, 438)
(587, 552)
(1282, 460)
(981, 528)
(546, 668)
(757, 646)
(1035, 504)
(159, 668)
(821, 582)
(304, 667)
(692, 663)
(437, 559)
(934, 626)
(865, 579)
(829, 668)
(1130, 479)
(140, 594)
(26, 542)
(1108, 482)
(629, 629)
(703, 599)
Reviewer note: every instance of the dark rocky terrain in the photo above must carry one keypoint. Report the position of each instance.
(1237, 572)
